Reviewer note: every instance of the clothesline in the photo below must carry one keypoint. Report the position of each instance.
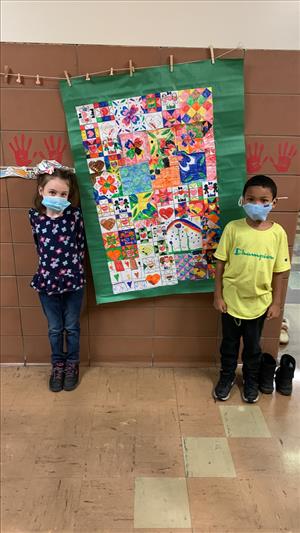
(111, 71)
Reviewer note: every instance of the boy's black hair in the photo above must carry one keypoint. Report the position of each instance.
(261, 181)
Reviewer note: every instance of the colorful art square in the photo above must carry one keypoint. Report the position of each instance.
(142, 206)
(169, 100)
(136, 179)
(163, 196)
(108, 184)
(111, 239)
(195, 105)
(93, 148)
(165, 172)
(151, 103)
(155, 186)
(162, 143)
(192, 166)
(189, 137)
(127, 237)
(103, 112)
(129, 114)
(86, 114)
(135, 148)
(130, 251)
(171, 117)
(108, 224)
(153, 121)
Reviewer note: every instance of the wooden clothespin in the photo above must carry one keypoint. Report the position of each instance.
(38, 81)
(6, 73)
(131, 68)
(212, 55)
(171, 58)
(87, 77)
(19, 79)
(111, 71)
(67, 78)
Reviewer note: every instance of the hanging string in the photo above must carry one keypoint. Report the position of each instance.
(106, 71)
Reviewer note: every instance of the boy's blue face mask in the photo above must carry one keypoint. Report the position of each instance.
(55, 203)
(256, 211)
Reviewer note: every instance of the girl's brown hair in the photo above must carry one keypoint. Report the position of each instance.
(65, 175)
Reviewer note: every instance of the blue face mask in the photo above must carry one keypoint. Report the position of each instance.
(55, 203)
(257, 211)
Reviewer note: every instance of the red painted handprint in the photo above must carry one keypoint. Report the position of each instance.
(54, 152)
(254, 162)
(21, 152)
(285, 157)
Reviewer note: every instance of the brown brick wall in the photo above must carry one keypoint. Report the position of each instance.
(173, 330)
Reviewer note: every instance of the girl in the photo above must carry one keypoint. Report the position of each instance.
(57, 228)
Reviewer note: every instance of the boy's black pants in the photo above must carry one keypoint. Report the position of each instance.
(233, 330)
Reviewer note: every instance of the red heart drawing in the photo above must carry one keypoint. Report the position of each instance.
(153, 278)
(166, 212)
(114, 254)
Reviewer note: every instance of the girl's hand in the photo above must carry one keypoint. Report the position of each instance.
(219, 304)
(273, 311)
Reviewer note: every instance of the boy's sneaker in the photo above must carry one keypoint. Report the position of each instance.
(223, 388)
(71, 376)
(250, 392)
(56, 381)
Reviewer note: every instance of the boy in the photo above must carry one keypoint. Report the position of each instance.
(252, 256)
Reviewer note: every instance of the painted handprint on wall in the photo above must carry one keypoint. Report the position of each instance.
(284, 157)
(20, 148)
(54, 151)
(254, 157)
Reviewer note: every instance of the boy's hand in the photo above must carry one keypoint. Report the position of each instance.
(219, 304)
(273, 311)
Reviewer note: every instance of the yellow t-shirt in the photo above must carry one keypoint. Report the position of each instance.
(251, 257)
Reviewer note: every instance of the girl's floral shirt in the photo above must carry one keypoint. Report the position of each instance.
(60, 244)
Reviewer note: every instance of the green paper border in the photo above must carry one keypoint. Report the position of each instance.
(227, 81)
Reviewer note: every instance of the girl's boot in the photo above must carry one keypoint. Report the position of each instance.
(285, 374)
(267, 373)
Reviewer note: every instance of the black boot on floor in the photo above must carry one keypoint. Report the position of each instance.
(285, 374)
(71, 376)
(267, 374)
(56, 381)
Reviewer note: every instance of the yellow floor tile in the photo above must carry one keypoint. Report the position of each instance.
(208, 457)
(161, 503)
(244, 421)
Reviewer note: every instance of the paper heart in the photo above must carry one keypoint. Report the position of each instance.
(108, 223)
(153, 278)
(127, 263)
(117, 277)
(166, 212)
(114, 254)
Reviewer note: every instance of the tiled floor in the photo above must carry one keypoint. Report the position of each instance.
(146, 450)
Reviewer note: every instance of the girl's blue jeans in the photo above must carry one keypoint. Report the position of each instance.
(63, 315)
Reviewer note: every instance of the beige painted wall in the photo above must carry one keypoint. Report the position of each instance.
(254, 24)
